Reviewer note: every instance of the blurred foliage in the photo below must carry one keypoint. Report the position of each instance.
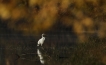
(37, 16)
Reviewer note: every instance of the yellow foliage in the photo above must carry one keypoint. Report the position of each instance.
(31, 16)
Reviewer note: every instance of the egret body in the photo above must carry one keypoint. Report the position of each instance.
(41, 41)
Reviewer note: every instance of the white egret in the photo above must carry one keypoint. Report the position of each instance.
(41, 41)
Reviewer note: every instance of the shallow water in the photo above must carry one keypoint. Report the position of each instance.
(45, 56)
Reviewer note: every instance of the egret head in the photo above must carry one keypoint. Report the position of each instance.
(43, 34)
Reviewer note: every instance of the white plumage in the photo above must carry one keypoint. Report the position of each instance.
(41, 41)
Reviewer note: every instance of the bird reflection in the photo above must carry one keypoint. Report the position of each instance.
(40, 56)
